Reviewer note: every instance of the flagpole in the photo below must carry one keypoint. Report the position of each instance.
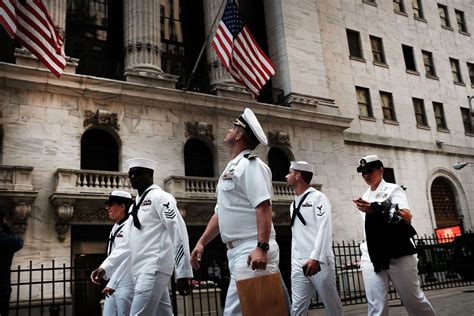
(203, 46)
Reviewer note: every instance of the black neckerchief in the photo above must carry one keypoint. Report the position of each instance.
(296, 211)
(110, 242)
(134, 212)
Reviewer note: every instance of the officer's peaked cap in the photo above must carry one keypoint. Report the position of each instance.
(369, 162)
(249, 122)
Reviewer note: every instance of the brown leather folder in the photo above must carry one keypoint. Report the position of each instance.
(262, 295)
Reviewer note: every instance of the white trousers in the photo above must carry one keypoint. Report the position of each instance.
(239, 270)
(118, 304)
(403, 274)
(324, 282)
(151, 295)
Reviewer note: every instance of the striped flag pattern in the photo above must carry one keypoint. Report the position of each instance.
(29, 23)
(239, 52)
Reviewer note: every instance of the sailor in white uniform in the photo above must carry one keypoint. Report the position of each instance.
(389, 254)
(312, 263)
(119, 289)
(243, 214)
(158, 244)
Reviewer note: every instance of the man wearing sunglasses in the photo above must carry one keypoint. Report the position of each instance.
(389, 254)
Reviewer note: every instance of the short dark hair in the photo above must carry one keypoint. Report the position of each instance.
(306, 176)
(250, 140)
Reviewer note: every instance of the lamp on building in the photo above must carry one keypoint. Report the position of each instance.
(459, 165)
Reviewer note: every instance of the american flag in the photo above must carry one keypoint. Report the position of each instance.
(239, 52)
(29, 23)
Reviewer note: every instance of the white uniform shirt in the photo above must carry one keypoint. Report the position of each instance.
(313, 240)
(384, 191)
(244, 184)
(161, 244)
(122, 276)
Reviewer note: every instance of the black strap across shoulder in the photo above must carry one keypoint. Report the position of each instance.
(296, 211)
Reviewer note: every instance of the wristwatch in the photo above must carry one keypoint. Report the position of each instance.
(263, 245)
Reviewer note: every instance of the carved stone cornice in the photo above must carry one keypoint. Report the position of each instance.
(64, 213)
(21, 212)
(101, 118)
(90, 215)
(199, 129)
(279, 138)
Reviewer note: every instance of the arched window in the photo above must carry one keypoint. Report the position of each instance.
(279, 164)
(99, 151)
(444, 203)
(198, 161)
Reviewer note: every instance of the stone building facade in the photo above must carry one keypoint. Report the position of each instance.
(353, 77)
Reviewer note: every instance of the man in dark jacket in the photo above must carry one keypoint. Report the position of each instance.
(10, 242)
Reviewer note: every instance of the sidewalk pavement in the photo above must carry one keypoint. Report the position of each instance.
(458, 301)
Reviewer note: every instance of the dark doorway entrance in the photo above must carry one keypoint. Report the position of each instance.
(88, 252)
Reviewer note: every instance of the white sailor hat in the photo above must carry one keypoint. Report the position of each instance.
(302, 166)
(119, 197)
(141, 163)
(249, 122)
(369, 162)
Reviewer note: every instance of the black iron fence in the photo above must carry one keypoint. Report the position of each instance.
(64, 290)
(442, 263)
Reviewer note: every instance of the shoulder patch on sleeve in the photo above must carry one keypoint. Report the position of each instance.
(250, 156)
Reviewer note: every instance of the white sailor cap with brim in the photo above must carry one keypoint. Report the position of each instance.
(141, 163)
(119, 197)
(248, 121)
(302, 166)
(369, 162)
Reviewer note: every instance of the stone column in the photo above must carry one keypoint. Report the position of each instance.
(221, 81)
(142, 43)
(57, 11)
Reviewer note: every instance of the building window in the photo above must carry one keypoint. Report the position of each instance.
(398, 6)
(279, 164)
(466, 120)
(182, 35)
(443, 15)
(363, 100)
(460, 21)
(355, 47)
(377, 49)
(455, 70)
(94, 34)
(420, 114)
(7, 48)
(388, 107)
(439, 115)
(198, 160)
(99, 151)
(470, 68)
(409, 58)
(418, 9)
(388, 175)
(429, 63)
(444, 203)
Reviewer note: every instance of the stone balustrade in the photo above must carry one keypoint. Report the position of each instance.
(16, 178)
(90, 181)
(182, 187)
